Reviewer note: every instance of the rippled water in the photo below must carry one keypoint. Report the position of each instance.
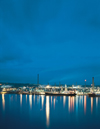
(40, 112)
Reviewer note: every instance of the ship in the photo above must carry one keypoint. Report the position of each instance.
(94, 94)
(59, 94)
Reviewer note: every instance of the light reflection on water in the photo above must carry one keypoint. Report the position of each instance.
(3, 101)
(26, 98)
(76, 104)
(42, 97)
(34, 98)
(30, 100)
(64, 100)
(96, 101)
(47, 110)
(81, 100)
(51, 100)
(91, 104)
(84, 104)
(52, 104)
(71, 104)
(20, 99)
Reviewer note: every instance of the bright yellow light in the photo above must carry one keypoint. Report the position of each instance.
(47, 86)
(3, 92)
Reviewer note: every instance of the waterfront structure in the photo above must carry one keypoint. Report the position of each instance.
(52, 89)
(65, 87)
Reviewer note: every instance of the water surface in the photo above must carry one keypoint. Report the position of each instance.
(48, 112)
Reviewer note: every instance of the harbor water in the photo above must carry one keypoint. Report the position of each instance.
(49, 112)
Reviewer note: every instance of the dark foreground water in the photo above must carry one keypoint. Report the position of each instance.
(40, 112)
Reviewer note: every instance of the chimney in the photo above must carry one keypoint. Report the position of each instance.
(93, 83)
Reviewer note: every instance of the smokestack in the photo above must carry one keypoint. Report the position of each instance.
(93, 83)
(38, 79)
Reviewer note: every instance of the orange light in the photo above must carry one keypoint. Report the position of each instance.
(85, 80)
(85, 104)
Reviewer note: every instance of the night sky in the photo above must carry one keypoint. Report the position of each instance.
(59, 39)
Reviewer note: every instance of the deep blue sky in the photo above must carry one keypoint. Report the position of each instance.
(59, 39)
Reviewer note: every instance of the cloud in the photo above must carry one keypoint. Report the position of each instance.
(49, 37)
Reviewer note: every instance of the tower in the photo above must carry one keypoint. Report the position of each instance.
(93, 83)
